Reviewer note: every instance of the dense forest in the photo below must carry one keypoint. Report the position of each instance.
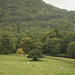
(33, 24)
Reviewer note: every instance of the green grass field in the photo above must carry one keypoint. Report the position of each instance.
(17, 65)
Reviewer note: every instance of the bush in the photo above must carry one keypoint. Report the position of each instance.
(19, 51)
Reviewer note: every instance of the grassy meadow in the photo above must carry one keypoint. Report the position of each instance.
(18, 65)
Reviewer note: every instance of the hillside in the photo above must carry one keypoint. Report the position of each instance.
(33, 24)
(22, 15)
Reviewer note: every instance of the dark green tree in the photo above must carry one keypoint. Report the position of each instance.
(64, 42)
(37, 44)
(7, 43)
(71, 50)
(35, 54)
(54, 46)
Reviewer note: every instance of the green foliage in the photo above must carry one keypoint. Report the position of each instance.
(56, 43)
(34, 19)
(55, 49)
(34, 16)
(35, 54)
(27, 44)
(53, 34)
(7, 43)
(52, 42)
(68, 37)
(71, 50)
(37, 44)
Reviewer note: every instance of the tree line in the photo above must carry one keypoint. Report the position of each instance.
(53, 43)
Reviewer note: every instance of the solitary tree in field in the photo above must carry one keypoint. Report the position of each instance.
(35, 54)
(19, 51)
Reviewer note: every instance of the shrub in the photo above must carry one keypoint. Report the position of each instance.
(19, 51)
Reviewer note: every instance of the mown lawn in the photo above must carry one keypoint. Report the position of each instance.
(18, 65)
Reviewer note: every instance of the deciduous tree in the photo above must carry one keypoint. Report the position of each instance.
(26, 43)
(35, 54)
(7, 43)
(71, 50)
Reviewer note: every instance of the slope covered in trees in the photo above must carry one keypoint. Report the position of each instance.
(25, 15)
(49, 28)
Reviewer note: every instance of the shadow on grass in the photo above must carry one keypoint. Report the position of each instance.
(31, 60)
(36, 60)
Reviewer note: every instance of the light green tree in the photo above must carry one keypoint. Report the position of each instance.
(26, 44)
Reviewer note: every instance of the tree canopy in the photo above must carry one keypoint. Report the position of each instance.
(71, 50)
(26, 43)
(35, 54)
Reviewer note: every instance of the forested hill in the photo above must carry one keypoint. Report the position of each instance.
(33, 24)
(29, 16)
(28, 10)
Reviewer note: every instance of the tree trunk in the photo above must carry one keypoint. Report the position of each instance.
(35, 59)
